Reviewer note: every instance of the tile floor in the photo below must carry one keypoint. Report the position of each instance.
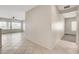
(16, 44)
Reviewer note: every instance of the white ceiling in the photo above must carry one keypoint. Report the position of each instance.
(70, 14)
(25, 7)
(61, 7)
(16, 7)
(18, 11)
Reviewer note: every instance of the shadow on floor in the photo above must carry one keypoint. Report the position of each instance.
(69, 37)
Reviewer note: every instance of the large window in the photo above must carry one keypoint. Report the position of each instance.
(11, 26)
(16, 25)
(8, 25)
(3, 25)
(24, 26)
(73, 25)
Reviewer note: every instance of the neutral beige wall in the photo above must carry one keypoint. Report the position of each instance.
(77, 33)
(0, 38)
(39, 27)
(58, 24)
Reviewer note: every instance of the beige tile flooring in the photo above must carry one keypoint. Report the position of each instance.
(16, 44)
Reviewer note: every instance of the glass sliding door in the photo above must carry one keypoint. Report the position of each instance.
(8, 25)
(3, 25)
(16, 25)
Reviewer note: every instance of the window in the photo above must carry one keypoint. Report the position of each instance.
(3, 25)
(24, 26)
(73, 25)
(8, 25)
(16, 25)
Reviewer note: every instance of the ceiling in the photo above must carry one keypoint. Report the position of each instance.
(22, 8)
(18, 11)
(17, 7)
(70, 14)
(67, 12)
(61, 7)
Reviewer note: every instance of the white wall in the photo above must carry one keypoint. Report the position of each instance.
(77, 33)
(0, 38)
(57, 25)
(41, 25)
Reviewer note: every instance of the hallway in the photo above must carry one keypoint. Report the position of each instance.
(16, 44)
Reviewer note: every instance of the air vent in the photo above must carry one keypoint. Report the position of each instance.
(68, 6)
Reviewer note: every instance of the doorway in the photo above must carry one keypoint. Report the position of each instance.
(70, 29)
